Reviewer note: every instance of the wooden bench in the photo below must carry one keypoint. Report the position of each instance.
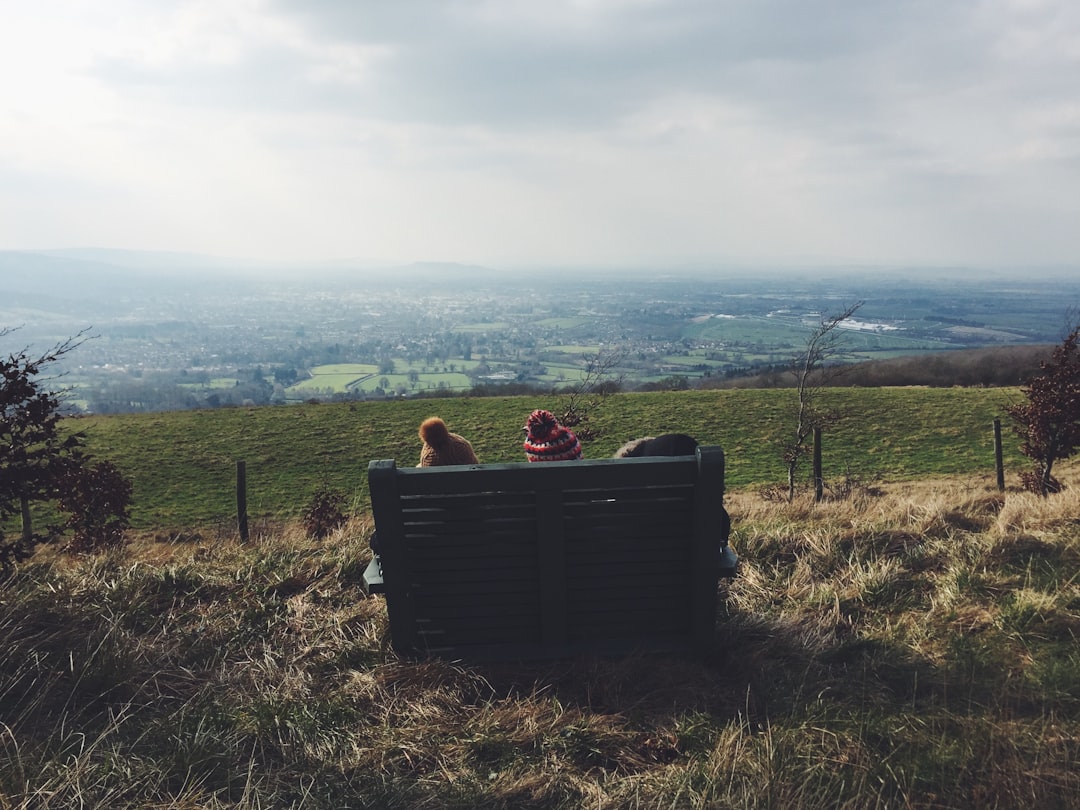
(554, 559)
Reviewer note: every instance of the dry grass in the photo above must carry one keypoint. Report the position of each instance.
(916, 648)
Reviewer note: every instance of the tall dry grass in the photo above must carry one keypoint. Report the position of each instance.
(913, 647)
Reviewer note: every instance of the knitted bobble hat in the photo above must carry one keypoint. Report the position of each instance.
(547, 440)
(441, 447)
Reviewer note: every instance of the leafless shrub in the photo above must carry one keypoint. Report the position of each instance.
(581, 401)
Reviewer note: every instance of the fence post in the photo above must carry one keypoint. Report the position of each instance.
(27, 520)
(997, 455)
(819, 481)
(241, 500)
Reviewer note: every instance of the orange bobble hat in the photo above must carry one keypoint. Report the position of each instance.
(441, 447)
(547, 440)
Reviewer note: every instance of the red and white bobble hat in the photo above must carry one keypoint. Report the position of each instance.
(547, 440)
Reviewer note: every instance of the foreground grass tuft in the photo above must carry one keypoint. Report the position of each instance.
(909, 647)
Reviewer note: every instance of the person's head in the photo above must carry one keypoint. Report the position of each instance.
(441, 447)
(547, 440)
(666, 444)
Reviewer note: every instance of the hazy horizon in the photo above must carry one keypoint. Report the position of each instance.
(127, 262)
(588, 133)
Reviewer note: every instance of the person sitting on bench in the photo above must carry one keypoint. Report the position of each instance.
(441, 447)
(547, 440)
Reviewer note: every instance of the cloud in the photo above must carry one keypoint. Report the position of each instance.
(474, 130)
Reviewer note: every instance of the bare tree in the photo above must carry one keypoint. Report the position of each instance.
(814, 369)
(582, 399)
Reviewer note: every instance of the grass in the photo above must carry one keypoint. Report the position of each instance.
(366, 377)
(183, 463)
(912, 645)
(746, 331)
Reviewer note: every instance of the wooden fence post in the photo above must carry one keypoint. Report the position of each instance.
(27, 520)
(241, 500)
(997, 455)
(819, 481)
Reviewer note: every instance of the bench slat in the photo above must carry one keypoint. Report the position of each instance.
(560, 476)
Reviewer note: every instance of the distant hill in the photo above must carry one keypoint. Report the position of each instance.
(63, 277)
(101, 272)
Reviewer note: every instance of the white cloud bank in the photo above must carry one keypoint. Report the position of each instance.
(569, 132)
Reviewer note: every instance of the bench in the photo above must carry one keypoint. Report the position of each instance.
(549, 560)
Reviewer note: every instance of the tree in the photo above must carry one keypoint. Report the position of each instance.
(34, 453)
(585, 397)
(813, 369)
(1049, 421)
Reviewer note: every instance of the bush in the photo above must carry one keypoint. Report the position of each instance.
(1049, 421)
(96, 498)
(324, 513)
(34, 452)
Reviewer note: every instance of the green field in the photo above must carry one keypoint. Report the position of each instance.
(183, 463)
(563, 323)
(341, 378)
(782, 334)
(493, 326)
(572, 348)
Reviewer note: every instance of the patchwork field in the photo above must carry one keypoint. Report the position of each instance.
(341, 378)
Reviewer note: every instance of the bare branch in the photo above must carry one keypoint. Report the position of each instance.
(598, 382)
(813, 369)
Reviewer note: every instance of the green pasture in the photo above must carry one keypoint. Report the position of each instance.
(748, 330)
(337, 377)
(693, 359)
(355, 369)
(562, 373)
(214, 382)
(572, 348)
(781, 333)
(856, 340)
(341, 378)
(562, 323)
(183, 463)
(493, 326)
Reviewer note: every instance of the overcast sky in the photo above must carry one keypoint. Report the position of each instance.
(563, 132)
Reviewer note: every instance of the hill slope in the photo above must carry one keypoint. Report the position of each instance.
(183, 463)
(915, 649)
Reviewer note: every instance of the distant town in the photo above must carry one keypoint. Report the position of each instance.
(185, 337)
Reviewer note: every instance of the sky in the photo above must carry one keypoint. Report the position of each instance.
(564, 132)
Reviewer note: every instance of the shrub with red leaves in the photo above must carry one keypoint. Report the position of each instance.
(1049, 421)
(96, 498)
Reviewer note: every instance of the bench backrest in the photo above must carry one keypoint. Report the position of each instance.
(550, 559)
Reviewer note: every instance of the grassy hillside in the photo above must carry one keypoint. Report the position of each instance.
(911, 649)
(183, 463)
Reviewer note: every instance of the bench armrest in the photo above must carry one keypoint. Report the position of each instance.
(373, 580)
(729, 562)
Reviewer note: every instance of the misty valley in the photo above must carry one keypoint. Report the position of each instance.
(193, 337)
